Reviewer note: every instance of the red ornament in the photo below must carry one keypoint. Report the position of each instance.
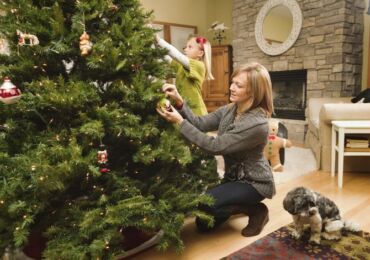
(9, 93)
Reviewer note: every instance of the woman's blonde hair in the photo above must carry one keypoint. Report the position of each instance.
(259, 83)
(205, 45)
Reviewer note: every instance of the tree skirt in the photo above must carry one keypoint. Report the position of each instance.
(281, 245)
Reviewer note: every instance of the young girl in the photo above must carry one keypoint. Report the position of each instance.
(191, 69)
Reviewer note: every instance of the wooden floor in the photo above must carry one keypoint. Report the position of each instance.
(353, 201)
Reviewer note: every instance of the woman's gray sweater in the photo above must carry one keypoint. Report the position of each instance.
(241, 143)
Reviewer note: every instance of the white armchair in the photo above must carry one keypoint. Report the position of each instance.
(320, 113)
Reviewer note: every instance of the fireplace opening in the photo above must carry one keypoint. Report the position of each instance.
(289, 93)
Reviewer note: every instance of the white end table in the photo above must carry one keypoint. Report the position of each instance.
(342, 128)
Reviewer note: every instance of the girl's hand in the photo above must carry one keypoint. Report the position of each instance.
(157, 38)
(171, 91)
(171, 116)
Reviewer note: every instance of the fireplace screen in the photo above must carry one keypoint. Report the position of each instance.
(289, 93)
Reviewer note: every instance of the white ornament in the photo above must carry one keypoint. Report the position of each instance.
(4, 47)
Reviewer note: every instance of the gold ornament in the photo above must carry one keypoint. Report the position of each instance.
(164, 104)
(27, 39)
(85, 44)
(114, 8)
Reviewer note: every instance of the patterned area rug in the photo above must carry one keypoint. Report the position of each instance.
(281, 245)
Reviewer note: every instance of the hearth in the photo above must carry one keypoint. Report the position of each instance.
(289, 90)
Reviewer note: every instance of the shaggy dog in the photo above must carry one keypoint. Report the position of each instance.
(322, 215)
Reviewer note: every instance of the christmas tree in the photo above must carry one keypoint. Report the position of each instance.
(83, 153)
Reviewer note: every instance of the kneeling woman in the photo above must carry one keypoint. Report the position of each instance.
(242, 129)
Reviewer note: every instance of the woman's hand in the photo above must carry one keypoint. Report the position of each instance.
(170, 115)
(170, 90)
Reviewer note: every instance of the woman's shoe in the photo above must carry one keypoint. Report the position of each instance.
(258, 217)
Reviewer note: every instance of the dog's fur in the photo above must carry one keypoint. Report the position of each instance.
(309, 207)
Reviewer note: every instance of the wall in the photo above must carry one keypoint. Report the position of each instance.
(221, 11)
(366, 39)
(190, 12)
(200, 13)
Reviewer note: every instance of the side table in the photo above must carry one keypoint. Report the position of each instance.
(342, 128)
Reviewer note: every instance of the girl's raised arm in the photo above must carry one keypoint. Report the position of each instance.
(174, 53)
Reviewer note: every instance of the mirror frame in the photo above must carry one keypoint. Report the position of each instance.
(296, 12)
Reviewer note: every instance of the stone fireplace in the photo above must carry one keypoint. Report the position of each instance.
(328, 48)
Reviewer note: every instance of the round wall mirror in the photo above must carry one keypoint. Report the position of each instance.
(278, 26)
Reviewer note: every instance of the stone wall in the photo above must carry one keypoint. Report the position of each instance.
(329, 47)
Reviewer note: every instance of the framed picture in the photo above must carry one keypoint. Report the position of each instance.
(176, 34)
